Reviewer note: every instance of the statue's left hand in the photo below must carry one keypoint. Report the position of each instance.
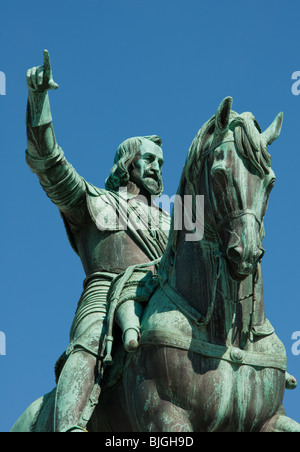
(40, 79)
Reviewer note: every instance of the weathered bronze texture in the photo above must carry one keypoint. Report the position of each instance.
(208, 359)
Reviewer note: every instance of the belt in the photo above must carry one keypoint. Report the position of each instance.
(231, 354)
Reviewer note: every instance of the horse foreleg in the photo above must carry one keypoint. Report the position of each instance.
(150, 395)
(281, 423)
(152, 412)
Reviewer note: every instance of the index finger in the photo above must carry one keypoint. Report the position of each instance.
(47, 64)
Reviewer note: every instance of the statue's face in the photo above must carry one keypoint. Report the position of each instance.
(147, 171)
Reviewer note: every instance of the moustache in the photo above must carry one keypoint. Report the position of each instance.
(153, 176)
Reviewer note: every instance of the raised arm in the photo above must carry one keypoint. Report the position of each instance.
(41, 138)
(61, 182)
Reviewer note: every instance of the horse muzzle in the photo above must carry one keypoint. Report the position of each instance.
(243, 260)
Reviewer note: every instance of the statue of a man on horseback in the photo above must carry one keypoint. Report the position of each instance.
(205, 357)
(99, 223)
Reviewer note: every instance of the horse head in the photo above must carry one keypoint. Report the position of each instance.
(229, 155)
(239, 180)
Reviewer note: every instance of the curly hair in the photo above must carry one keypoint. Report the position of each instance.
(125, 154)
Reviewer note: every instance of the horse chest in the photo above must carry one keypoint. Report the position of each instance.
(234, 398)
(216, 395)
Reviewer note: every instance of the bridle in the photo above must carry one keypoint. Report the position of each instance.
(237, 214)
(231, 215)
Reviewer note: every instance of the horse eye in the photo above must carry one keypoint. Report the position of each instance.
(271, 185)
(219, 174)
(218, 171)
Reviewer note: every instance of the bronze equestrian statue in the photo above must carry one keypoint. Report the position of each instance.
(207, 358)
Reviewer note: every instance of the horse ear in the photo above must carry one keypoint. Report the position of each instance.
(223, 115)
(273, 131)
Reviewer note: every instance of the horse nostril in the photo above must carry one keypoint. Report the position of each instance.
(260, 253)
(235, 254)
(238, 255)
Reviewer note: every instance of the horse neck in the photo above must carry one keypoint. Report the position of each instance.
(201, 276)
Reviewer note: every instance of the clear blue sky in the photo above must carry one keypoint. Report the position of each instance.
(127, 68)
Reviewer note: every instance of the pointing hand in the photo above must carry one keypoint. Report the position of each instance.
(40, 78)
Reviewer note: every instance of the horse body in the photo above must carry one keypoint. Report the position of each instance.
(185, 388)
(215, 397)
(209, 359)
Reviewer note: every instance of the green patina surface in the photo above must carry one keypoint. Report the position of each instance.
(204, 355)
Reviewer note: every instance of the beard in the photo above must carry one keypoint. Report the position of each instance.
(152, 185)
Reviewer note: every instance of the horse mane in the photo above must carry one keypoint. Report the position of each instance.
(248, 139)
(250, 145)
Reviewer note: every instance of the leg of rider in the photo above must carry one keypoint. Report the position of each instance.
(73, 390)
(77, 378)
